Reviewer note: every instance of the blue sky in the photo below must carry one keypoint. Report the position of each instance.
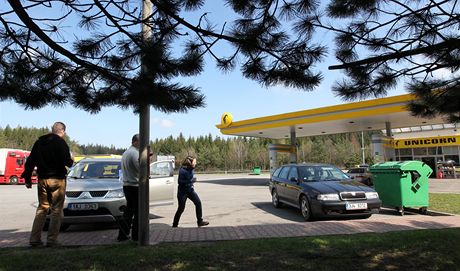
(224, 93)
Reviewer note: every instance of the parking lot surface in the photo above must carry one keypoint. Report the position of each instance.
(237, 207)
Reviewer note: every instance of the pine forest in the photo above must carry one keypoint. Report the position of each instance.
(217, 154)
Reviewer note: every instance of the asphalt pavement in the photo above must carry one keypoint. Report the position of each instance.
(237, 207)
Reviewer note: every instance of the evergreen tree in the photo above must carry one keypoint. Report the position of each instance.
(216, 153)
(380, 43)
(97, 62)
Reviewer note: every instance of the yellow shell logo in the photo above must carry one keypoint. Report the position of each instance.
(226, 119)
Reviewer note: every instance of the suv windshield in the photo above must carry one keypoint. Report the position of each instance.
(321, 173)
(96, 170)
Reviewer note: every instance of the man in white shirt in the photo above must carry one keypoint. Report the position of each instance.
(130, 170)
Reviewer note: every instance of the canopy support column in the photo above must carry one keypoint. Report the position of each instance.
(293, 152)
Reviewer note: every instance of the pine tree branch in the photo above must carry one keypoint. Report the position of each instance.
(210, 33)
(24, 17)
(448, 44)
(418, 14)
(192, 27)
(121, 29)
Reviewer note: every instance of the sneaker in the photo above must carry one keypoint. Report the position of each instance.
(36, 244)
(203, 223)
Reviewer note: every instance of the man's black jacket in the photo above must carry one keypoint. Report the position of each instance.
(50, 154)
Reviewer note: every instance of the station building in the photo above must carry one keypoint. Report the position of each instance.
(439, 149)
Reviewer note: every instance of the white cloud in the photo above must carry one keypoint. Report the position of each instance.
(164, 123)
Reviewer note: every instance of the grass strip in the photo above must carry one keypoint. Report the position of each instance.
(405, 250)
(444, 202)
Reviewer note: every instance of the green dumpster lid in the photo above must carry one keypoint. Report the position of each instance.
(412, 165)
(387, 165)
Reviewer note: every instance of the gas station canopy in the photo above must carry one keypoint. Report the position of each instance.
(374, 114)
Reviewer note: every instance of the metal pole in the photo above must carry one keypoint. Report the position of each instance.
(362, 147)
(144, 138)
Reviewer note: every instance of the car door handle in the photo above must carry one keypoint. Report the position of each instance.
(169, 182)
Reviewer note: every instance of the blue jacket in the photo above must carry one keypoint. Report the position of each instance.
(186, 179)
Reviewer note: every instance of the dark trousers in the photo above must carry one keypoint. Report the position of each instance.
(182, 196)
(132, 210)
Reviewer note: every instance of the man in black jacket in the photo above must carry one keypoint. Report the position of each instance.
(51, 155)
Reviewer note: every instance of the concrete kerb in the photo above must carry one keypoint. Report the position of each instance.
(416, 211)
(437, 213)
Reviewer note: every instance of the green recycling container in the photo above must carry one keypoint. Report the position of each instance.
(256, 171)
(402, 184)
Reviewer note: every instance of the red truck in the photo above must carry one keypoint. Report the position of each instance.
(12, 165)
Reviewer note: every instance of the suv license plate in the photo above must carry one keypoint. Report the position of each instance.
(82, 206)
(356, 206)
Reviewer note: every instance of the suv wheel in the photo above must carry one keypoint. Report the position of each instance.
(305, 208)
(275, 199)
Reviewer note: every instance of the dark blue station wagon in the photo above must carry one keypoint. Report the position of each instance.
(321, 190)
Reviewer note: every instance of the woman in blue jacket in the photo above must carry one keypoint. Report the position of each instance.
(186, 190)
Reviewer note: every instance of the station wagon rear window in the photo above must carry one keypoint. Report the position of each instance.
(277, 172)
(284, 172)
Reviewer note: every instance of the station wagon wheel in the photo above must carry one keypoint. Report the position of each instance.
(13, 180)
(276, 199)
(305, 208)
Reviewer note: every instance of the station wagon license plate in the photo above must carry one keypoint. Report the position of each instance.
(356, 206)
(82, 206)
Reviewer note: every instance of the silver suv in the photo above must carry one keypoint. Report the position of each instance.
(95, 191)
